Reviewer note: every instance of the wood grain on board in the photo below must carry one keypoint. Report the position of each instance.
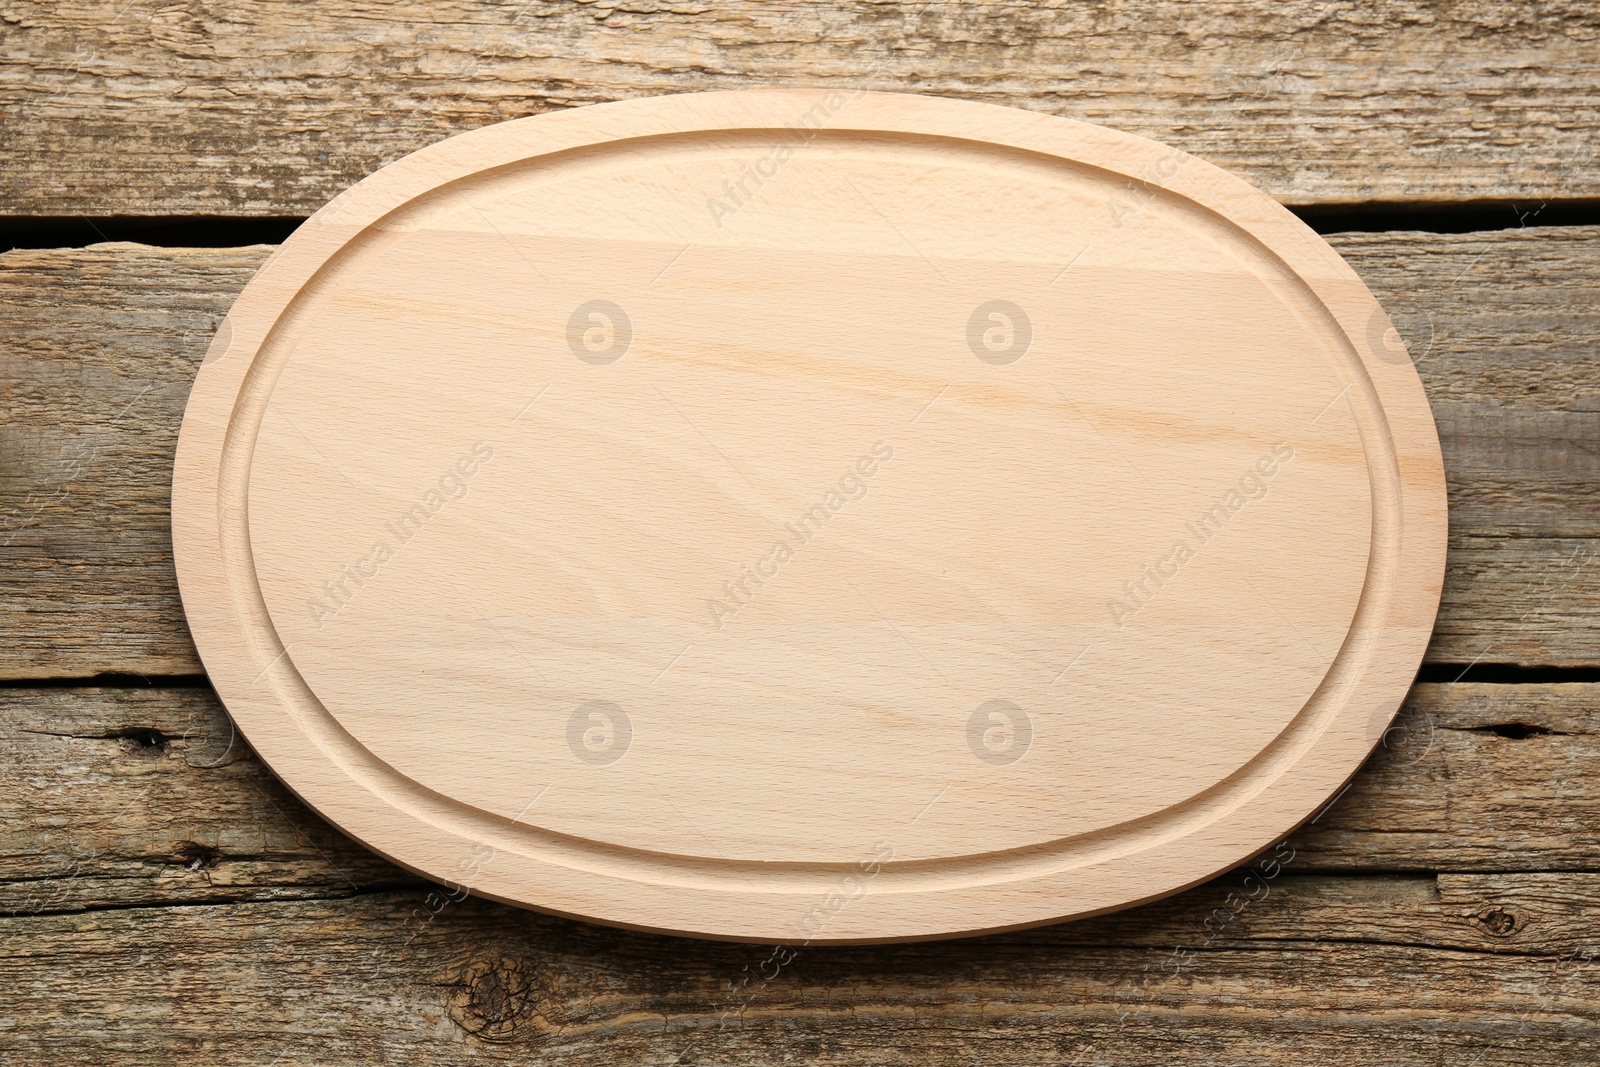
(271, 108)
(102, 344)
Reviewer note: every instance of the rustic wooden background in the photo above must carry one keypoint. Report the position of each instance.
(161, 895)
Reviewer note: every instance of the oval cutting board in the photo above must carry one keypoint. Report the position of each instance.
(803, 516)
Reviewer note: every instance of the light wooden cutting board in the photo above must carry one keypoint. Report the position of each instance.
(798, 516)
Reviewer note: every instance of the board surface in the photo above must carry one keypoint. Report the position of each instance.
(800, 516)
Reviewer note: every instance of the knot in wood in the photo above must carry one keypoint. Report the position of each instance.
(498, 1000)
(1498, 921)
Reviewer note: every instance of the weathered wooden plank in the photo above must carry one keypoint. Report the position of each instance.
(1555, 915)
(1474, 777)
(380, 979)
(100, 346)
(99, 351)
(1501, 327)
(138, 797)
(271, 107)
(118, 797)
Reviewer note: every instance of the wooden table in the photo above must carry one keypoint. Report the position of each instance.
(163, 895)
